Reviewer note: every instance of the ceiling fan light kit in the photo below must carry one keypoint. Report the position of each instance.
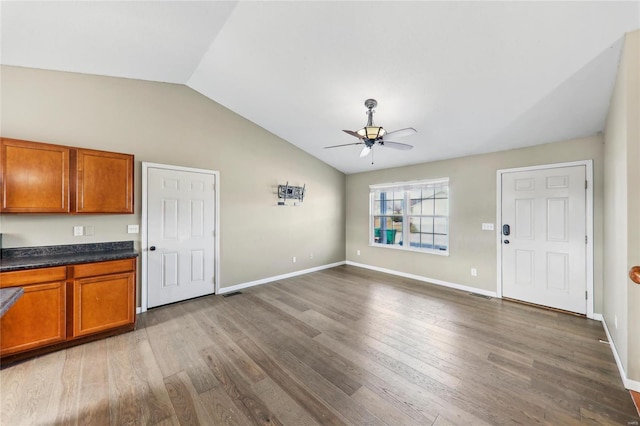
(371, 135)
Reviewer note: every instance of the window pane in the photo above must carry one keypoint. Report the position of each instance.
(398, 195)
(376, 207)
(415, 194)
(427, 225)
(414, 225)
(398, 207)
(442, 207)
(428, 192)
(427, 241)
(416, 207)
(442, 191)
(414, 240)
(427, 207)
(440, 225)
(441, 242)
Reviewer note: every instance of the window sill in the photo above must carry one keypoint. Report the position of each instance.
(402, 248)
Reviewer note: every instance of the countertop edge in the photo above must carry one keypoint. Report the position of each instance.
(22, 264)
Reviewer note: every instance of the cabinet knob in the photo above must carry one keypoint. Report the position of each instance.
(152, 248)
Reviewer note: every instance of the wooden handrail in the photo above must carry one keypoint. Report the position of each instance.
(634, 274)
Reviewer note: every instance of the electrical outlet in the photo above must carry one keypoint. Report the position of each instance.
(358, 252)
(89, 230)
(487, 226)
(474, 272)
(310, 255)
(77, 231)
(294, 259)
(133, 229)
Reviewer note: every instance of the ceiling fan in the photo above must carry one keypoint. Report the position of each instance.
(371, 135)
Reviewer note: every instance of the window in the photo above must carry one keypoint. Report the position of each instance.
(411, 215)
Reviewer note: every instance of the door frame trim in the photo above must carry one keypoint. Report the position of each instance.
(144, 242)
(589, 223)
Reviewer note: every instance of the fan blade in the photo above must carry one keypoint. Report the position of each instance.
(401, 133)
(352, 133)
(344, 144)
(365, 151)
(396, 145)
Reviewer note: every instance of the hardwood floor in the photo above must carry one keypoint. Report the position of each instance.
(340, 346)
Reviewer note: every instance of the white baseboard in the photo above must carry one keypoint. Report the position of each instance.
(426, 279)
(138, 310)
(628, 383)
(237, 287)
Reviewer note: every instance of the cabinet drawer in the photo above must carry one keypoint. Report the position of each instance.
(102, 268)
(31, 276)
(37, 319)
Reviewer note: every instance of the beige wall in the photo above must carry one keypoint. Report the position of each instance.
(622, 209)
(172, 124)
(472, 202)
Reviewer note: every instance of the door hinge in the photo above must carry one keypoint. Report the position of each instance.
(585, 239)
(586, 295)
(586, 183)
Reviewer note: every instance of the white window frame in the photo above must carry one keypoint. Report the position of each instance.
(407, 187)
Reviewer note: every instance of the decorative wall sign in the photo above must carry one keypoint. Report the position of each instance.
(288, 192)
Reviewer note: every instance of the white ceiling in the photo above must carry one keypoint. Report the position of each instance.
(471, 77)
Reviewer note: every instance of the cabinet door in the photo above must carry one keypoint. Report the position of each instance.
(103, 302)
(103, 182)
(36, 319)
(35, 177)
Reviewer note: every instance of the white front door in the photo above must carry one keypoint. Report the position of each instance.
(544, 253)
(180, 235)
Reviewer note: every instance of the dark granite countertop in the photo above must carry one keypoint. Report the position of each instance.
(14, 259)
(9, 296)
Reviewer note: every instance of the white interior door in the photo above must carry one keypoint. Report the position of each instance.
(180, 235)
(544, 255)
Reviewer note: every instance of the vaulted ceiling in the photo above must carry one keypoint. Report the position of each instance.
(471, 77)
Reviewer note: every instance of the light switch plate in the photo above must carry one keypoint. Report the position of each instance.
(133, 229)
(78, 231)
(487, 226)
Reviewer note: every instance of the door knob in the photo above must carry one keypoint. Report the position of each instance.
(152, 248)
(634, 274)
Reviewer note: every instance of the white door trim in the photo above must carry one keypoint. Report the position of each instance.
(144, 243)
(589, 216)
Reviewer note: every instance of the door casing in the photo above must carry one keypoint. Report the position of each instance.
(145, 244)
(589, 225)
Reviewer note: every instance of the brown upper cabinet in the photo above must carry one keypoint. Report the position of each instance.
(103, 182)
(35, 177)
(44, 178)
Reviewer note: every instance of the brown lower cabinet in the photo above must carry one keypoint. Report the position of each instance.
(67, 305)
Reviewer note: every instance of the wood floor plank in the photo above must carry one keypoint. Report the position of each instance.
(282, 404)
(125, 395)
(157, 402)
(93, 404)
(185, 400)
(237, 388)
(12, 393)
(222, 410)
(66, 394)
